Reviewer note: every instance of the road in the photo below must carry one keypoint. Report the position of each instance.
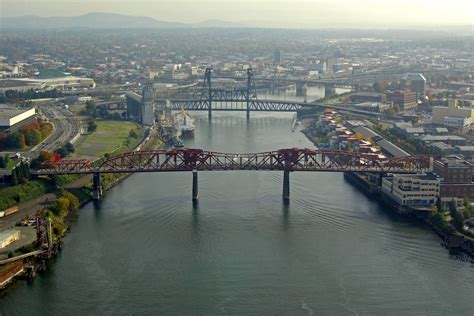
(27, 208)
(65, 128)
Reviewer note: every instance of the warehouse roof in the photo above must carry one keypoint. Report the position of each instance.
(392, 149)
(7, 113)
(12, 83)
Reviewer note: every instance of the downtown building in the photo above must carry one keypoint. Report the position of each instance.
(416, 83)
(456, 179)
(405, 99)
(453, 115)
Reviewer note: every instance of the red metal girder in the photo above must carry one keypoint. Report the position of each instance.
(284, 159)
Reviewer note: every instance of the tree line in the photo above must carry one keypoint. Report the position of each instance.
(28, 135)
(93, 111)
(20, 174)
(11, 96)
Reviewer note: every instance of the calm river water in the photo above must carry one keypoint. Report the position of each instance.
(146, 250)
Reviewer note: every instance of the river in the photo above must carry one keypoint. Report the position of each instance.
(146, 250)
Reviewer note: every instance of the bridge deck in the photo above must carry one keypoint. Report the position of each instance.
(293, 159)
(257, 106)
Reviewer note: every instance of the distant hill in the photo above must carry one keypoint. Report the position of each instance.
(217, 23)
(91, 20)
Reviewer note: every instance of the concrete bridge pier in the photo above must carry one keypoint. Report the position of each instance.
(301, 88)
(286, 186)
(329, 90)
(195, 186)
(97, 187)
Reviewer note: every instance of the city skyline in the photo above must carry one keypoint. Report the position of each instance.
(280, 13)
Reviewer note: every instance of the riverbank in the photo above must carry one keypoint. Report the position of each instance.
(329, 242)
(370, 185)
(26, 268)
(454, 241)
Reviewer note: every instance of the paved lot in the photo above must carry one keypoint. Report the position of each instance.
(27, 236)
(29, 208)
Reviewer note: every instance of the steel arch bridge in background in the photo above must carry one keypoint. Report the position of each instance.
(287, 160)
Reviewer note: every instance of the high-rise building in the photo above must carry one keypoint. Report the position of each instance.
(416, 83)
(403, 99)
(278, 56)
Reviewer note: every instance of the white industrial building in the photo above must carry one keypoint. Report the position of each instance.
(457, 122)
(8, 236)
(61, 83)
(11, 119)
(20, 85)
(412, 190)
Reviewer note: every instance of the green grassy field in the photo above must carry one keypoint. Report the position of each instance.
(11, 163)
(77, 109)
(108, 138)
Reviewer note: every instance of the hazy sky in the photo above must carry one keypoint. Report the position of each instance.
(275, 13)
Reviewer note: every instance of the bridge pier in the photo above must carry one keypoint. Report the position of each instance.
(286, 185)
(329, 90)
(97, 188)
(195, 186)
(301, 88)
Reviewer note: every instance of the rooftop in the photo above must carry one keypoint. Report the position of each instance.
(455, 161)
(441, 146)
(465, 148)
(424, 176)
(7, 233)
(392, 149)
(439, 138)
(372, 94)
(414, 76)
(12, 83)
(415, 130)
(8, 113)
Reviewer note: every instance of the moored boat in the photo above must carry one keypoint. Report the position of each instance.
(184, 124)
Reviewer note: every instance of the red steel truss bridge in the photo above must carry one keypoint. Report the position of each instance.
(287, 160)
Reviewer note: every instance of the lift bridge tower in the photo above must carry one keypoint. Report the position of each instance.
(210, 95)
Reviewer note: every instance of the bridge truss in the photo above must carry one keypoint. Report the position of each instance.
(286, 160)
(237, 99)
(292, 159)
(235, 104)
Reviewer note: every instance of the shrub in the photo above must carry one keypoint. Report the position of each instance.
(73, 201)
(24, 192)
(467, 214)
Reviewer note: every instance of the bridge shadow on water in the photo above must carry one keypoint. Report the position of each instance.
(244, 122)
(195, 209)
(195, 215)
(97, 206)
(285, 215)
